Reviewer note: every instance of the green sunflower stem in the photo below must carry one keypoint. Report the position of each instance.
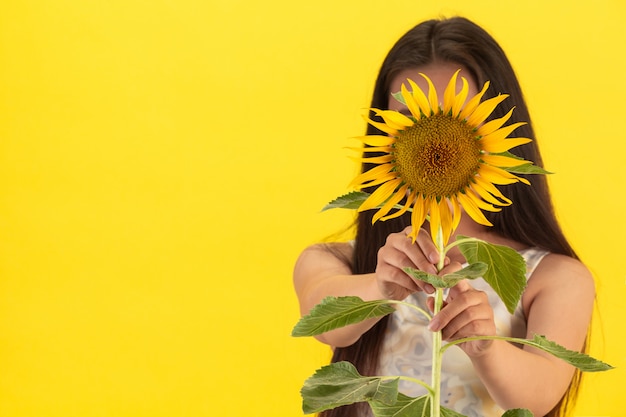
(435, 410)
(437, 355)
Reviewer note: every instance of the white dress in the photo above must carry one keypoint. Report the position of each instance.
(407, 350)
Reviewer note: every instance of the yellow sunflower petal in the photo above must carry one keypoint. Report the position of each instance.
(418, 215)
(446, 219)
(493, 125)
(433, 100)
(473, 103)
(501, 145)
(395, 199)
(487, 196)
(456, 213)
(480, 203)
(382, 193)
(472, 210)
(497, 175)
(503, 161)
(460, 99)
(394, 119)
(379, 180)
(372, 174)
(369, 149)
(420, 98)
(484, 109)
(449, 93)
(383, 159)
(490, 188)
(410, 102)
(435, 218)
(376, 140)
(501, 133)
(404, 208)
(382, 127)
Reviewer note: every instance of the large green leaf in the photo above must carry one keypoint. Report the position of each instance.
(518, 412)
(335, 312)
(471, 271)
(446, 412)
(507, 268)
(352, 200)
(581, 361)
(405, 406)
(340, 384)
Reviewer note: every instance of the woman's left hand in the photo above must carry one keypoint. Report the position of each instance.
(465, 313)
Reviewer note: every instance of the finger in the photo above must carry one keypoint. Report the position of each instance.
(399, 277)
(461, 286)
(450, 268)
(475, 320)
(421, 253)
(461, 305)
(427, 247)
(394, 255)
(393, 281)
(430, 303)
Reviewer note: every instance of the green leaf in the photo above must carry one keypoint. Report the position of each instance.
(446, 412)
(340, 384)
(398, 97)
(507, 268)
(518, 412)
(510, 155)
(352, 200)
(335, 312)
(405, 406)
(434, 280)
(580, 360)
(527, 169)
(471, 271)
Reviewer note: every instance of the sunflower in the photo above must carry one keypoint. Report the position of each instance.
(439, 159)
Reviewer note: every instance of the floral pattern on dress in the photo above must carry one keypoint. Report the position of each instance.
(407, 350)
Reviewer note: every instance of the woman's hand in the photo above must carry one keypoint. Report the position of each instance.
(400, 252)
(466, 312)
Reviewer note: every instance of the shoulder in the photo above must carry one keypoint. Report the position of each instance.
(562, 269)
(560, 276)
(331, 257)
(338, 250)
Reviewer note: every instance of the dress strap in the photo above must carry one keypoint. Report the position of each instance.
(533, 256)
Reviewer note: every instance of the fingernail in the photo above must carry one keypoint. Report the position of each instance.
(433, 326)
(429, 289)
(433, 257)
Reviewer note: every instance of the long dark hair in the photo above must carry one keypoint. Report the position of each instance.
(529, 220)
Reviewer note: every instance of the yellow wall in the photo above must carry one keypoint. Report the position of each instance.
(162, 164)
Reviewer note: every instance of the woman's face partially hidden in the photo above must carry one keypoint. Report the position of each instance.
(439, 73)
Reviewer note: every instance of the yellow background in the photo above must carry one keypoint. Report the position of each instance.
(162, 164)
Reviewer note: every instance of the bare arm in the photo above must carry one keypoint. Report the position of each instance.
(558, 304)
(319, 273)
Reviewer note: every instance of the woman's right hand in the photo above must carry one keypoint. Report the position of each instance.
(400, 252)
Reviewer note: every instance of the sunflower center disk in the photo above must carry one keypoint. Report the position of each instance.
(437, 156)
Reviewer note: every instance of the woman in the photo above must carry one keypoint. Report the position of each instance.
(484, 377)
